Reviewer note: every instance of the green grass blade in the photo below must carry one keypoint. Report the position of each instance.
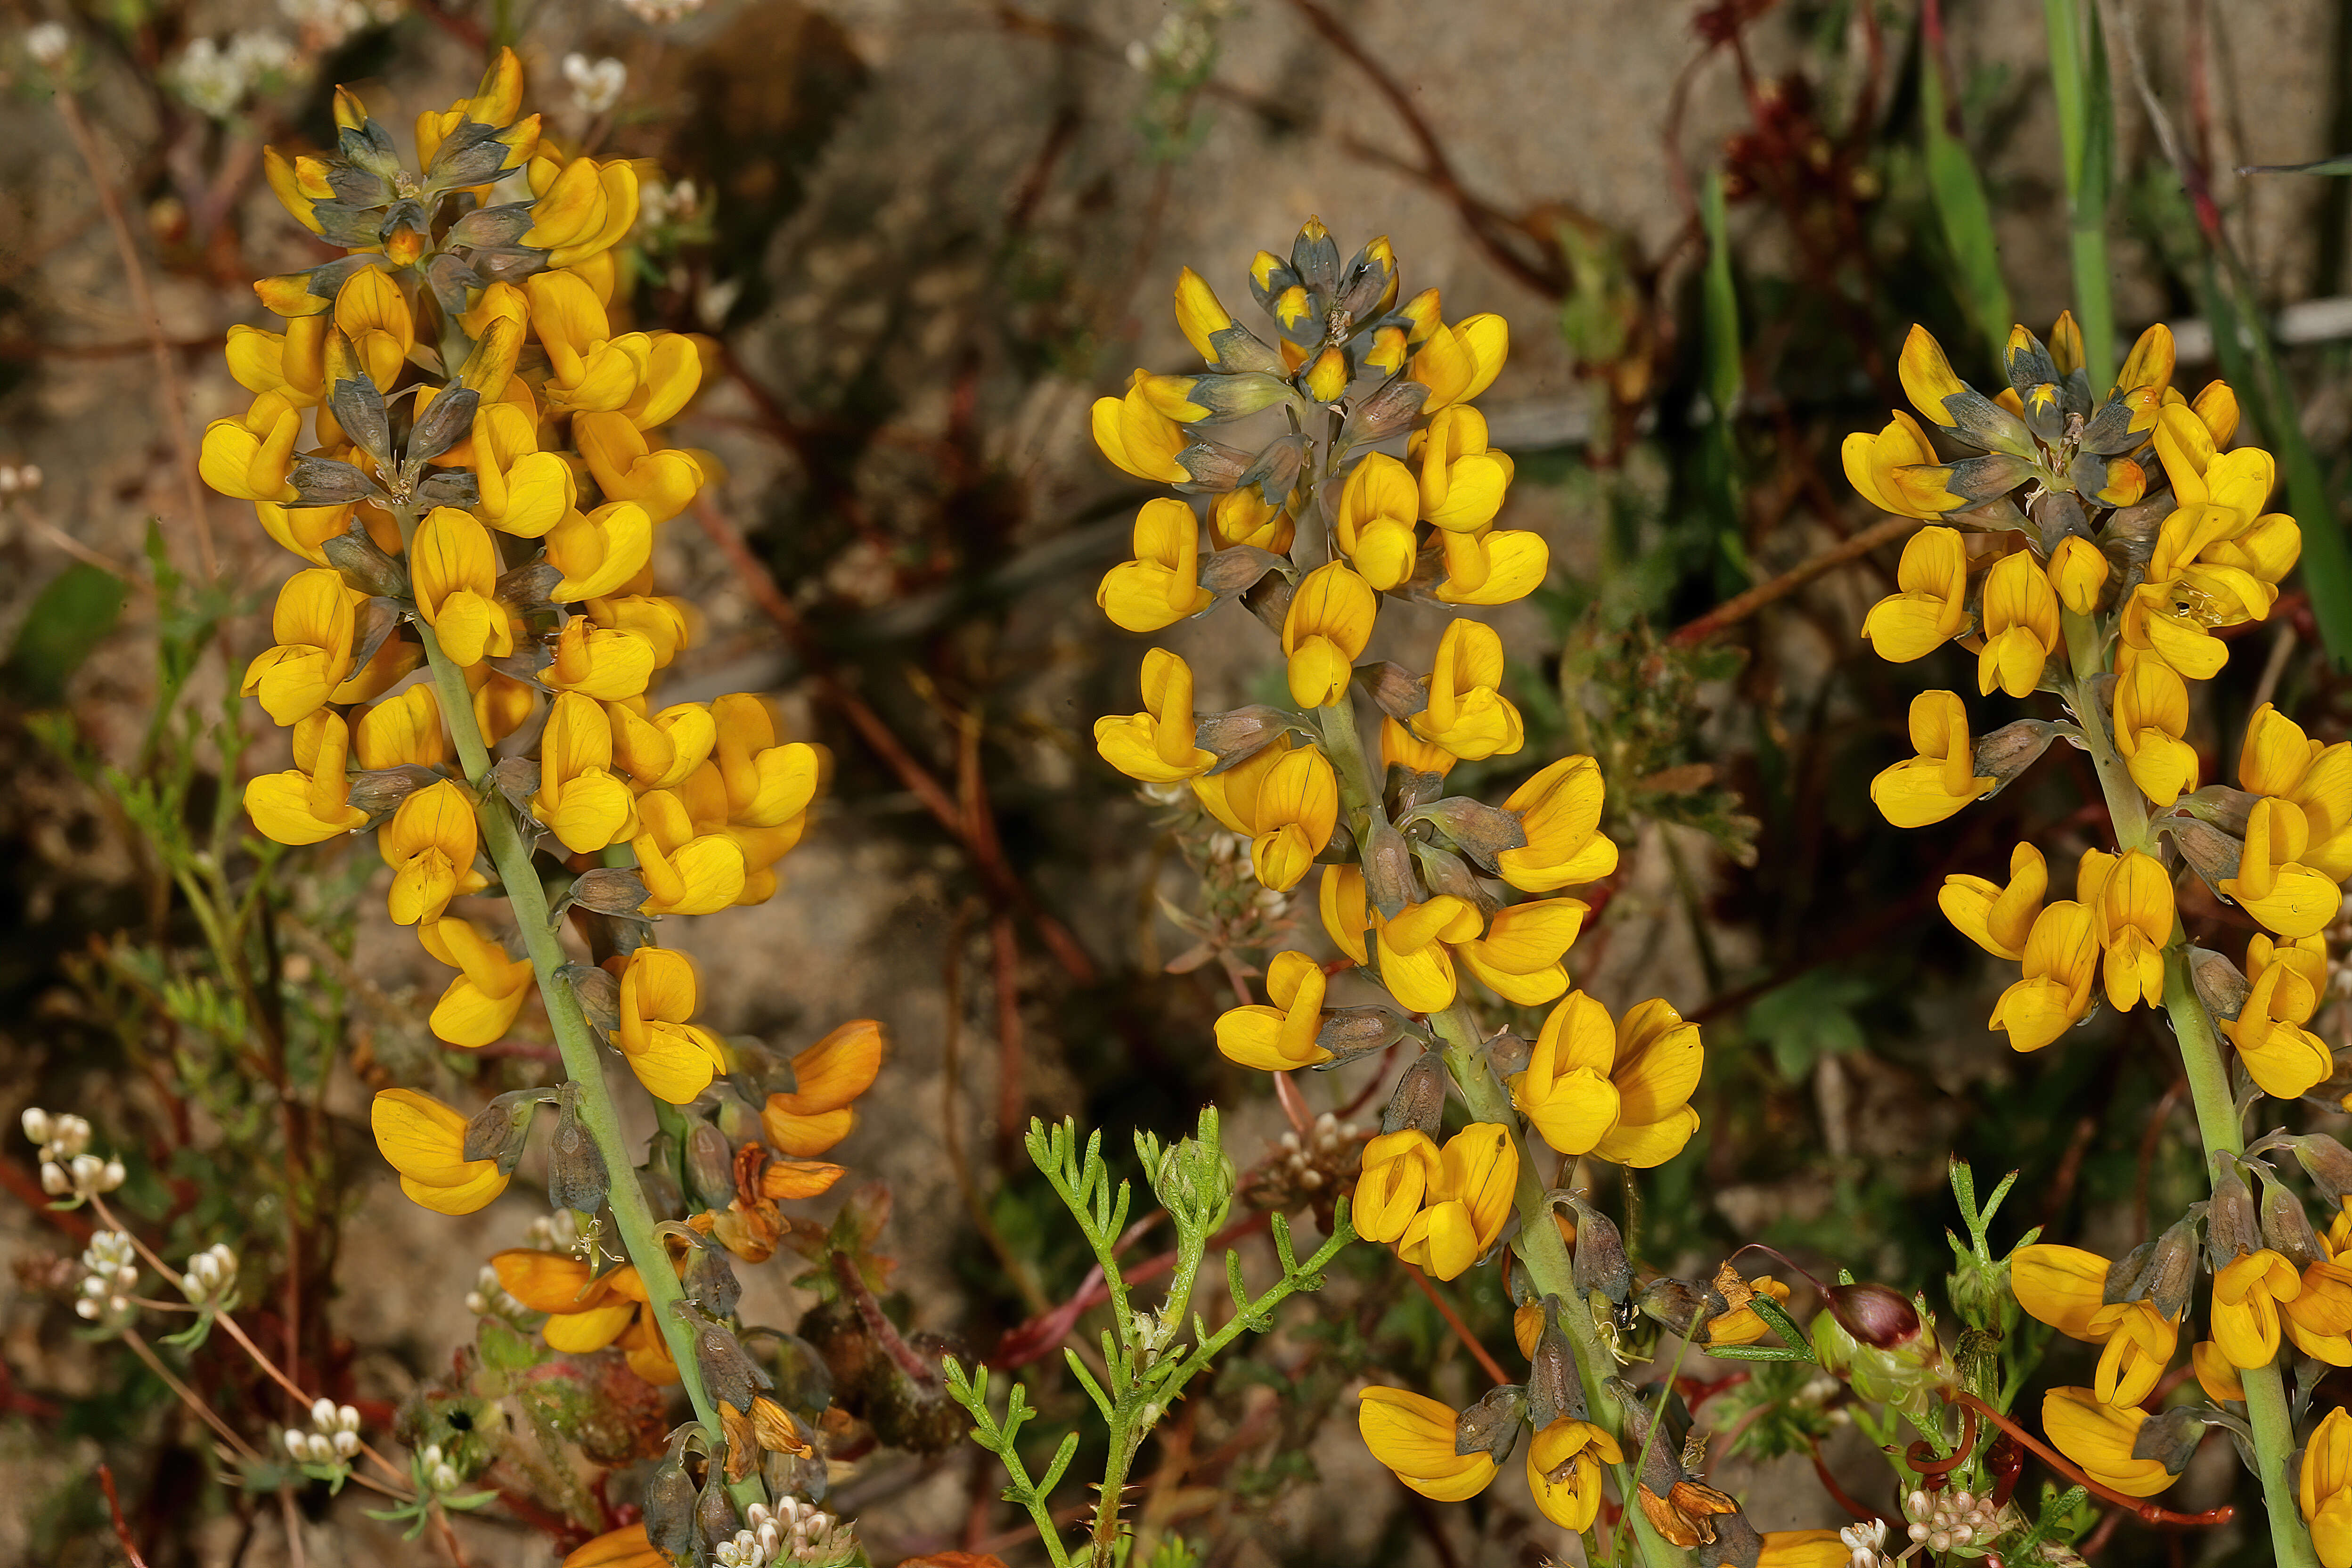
(1966, 216)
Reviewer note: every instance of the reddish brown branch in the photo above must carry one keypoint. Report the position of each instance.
(122, 1525)
(1731, 612)
(1492, 1367)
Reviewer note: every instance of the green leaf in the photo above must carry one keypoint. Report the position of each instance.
(1966, 218)
(505, 1349)
(1757, 1353)
(1724, 375)
(1808, 1018)
(69, 618)
(2341, 166)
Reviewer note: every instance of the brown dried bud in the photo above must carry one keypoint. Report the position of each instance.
(669, 1507)
(2227, 809)
(1239, 569)
(1676, 1304)
(598, 993)
(1269, 600)
(1409, 790)
(2058, 516)
(608, 891)
(2231, 1229)
(1492, 1426)
(576, 1176)
(1600, 1263)
(380, 791)
(516, 779)
(2125, 1275)
(1478, 830)
(1352, 1033)
(1393, 688)
(1211, 469)
(1506, 1053)
(363, 565)
(1274, 470)
(527, 587)
(2287, 1228)
(2010, 749)
(714, 1511)
(1445, 873)
(1685, 1515)
(2170, 1438)
(499, 1130)
(1389, 411)
(450, 487)
(2326, 1162)
(1877, 1315)
(2212, 854)
(446, 421)
(2220, 984)
(728, 1375)
(355, 402)
(709, 1167)
(2171, 1271)
(1241, 734)
(1419, 1101)
(1388, 882)
(1554, 1391)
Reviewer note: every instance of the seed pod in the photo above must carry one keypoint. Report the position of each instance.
(1419, 1099)
(1409, 789)
(576, 1176)
(657, 1179)
(2220, 984)
(714, 1511)
(527, 587)
(2287, 1228)
(1600, 1263)
(2170, 1438)
(1478, 830)
(1877, 1316)
(447, 420)
(728, 1375)
(379, 793)
(498, 226)
(599, 993)
(2125, 1273)
(1675, 1303)
(450, 487)
(709, 1166)
(1445, 873)
(1393, 688)
(1554, 1393)
(357, 403)
(2172, 1272)
(1273, 472)
(670, 1508)
(1352, 1033)
(614, 890)
(2231, 1229)
(2227, 809)
(2212, 854)
(1492, 1426)
(2326, 1162)
(2010, 749)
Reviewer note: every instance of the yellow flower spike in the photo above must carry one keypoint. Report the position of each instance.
(2130, 897)
(2061, 961)
(1462, 482)
(2323, 1489)
(1564, 1471)
(2272, 884)
(2021, 625)
(372, 312)
(425, 1141)
(1466, 714)
(1458, 362)
(1468, 1204)
(604, 663)
(1509, 564)
(1414, 1437)
(1297, 807)
(1329, 621)
(1398, 1170)
(581, 800)
(2246, 1296)
(673, 1058)
(2065, 1286)
(2151, 711)
(1155, 746)
(685, 872)
(1942, 778)
(831, 1075)
(454, 569)
(251, 465)
(1998, 919)
(1137, 437)
(1279, 1037)
(429, 844)
(479, 1006)
(1659, 1058)
(2100, 1438)
(768, 781)
(627, 468)
(1560, 810)
(314, 624)
(1565, 1091)
(310, 803)
(2215, 1376)
(1374, 521)
(2283, 1058)
(1873, 461)
(1519, 959)
(2077, 573)
(1931, 608)
(1163, 585)
(1417, 960)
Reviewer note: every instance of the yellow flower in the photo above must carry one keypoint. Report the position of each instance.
(688, 867)
(2099, 1437)
(1519, 959)
(1565, 1091)
(1559, 809)
(1871, 462)
(1137, 437)
(429, 844)
(1462, 481)
(1931, 608)
(2279, 759)
(2151, 713)
(1743, 1324)
(402, 731)
(1998, 919)
(2283, 1058)
(1792, 1549)
(1621, 1090)
(425, 1141)
(2130, 898)
(628, 467)
(602, 663)
(313, 625)
(1373, 523)
(2323, 1489)
(2060, 961)
(626, 1547)
(2273, 883)
(2021, 625)
(480, 1003)
(767, 784)
(1400, 1170)
(1401, 748)
(1564, 1470)
(372, 312)
(1942, 778)
(525, 491)
(599, 551)
(1296, 809)
(1324, 632)
(2215, 1376)
(1467, 1204)
(1414, 1437)
(1163, 585)
(310, 803)
(828, 1077)
(583, 207)
(1466, 714)
(454, 570)
(581, 800)
(674, 1058)
(2247, 1292)
(2065, 1286)
(1458, 362)
(1282, 1036)
(586, 1315)
(2077, 573)
(1492, 565)
(1155, 746)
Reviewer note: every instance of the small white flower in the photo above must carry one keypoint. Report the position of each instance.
(48, 42)
(597, 85)
(36, 1119)
(54, 1180)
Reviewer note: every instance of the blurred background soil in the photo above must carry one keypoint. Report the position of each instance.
(941, 230)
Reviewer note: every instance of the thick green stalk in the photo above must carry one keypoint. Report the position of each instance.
(1548, 1262)
(582, 1062)
(2127, 806)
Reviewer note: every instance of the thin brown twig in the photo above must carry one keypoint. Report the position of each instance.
(168, 390)
(1486, 1362)
(122, 1525)
(1731, 612)
(295, 1556)
(188, 1396)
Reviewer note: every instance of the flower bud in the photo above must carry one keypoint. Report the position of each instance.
(1506, 1053)
(709, 1166)
(1418, 1099)
(450, 487)
(2170, 1438)
(728, 1375)
(714, 1511)
(1273, 472)
(499, 1130)
(1492, 1426)
(2058, 516)
(364, 566)
(322, 1414)
(1675, 1303)
(2169, 1272)
(1476, 830)
(54, 1180)
(1877, 1316)
(36, 1124)
(325, 481)
(380, 791)
(1194, 1177)
(2212, 854)
(2326, 1162)
(2220, 984)
(1393, 688)
(576, 1176)
(446, 421)
(669, 1509)
(2231, 1229)
(1352, 1033)
(710, 1279)
(1242, 568)
(1600, 1263)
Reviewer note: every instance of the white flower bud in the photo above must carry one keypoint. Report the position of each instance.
(322, 1414)
(444, 1479)
(94, 1286)
(111, 1176)
(36, 1124)
(71, 1134)
(346, 1418)
(86, 1169)
(475, 1304)
(48, 42)
(346, 1444)
(298, 1445)
(86, 1307)
(431, 1457)
(54, 1180)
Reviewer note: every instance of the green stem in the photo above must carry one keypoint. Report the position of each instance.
(1343, 743)
(2085, 653)
(1548, 1263)
(582, 1062)
(2086, 149)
